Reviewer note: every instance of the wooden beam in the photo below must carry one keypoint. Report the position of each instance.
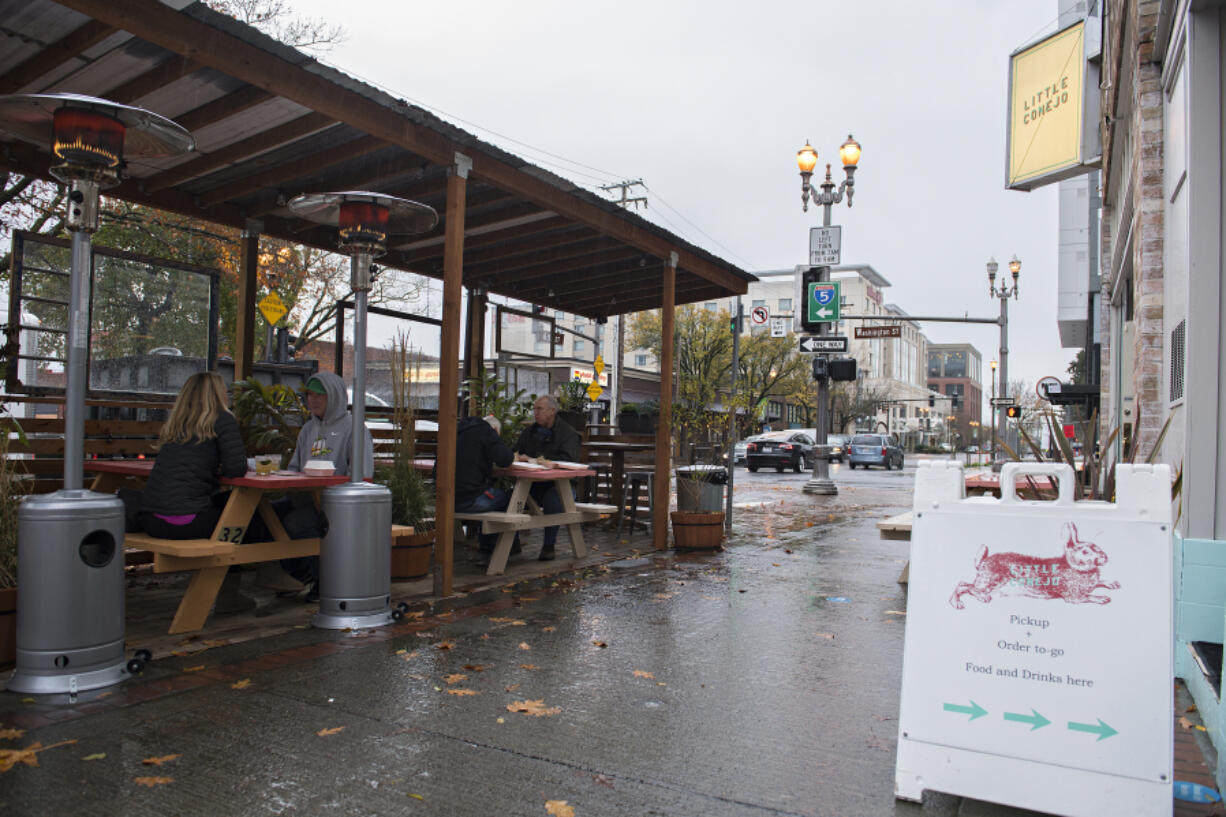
(664, 436)
(571, 239)
(55, 54)
(485, 239)
(152, 80)
(159, 24)
(375, 178)
(229, 105)
(499, 268)
(237, 151)
(448, 378)
(306, 166)
(244, 335)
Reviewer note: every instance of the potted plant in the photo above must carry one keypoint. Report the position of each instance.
(269, 417)
(12, 489)
(489, 395)
(412, 499)
(639, 418)
(572, 397)
(698, 522)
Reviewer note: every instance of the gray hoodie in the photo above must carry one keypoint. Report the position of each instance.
(330, 438)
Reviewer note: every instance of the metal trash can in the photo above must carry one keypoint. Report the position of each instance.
(701, 487)
(70, 608)
(355, 558)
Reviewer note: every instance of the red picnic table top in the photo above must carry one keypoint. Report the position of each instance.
(989, 482)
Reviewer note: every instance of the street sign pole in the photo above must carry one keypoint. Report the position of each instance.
(820, 482)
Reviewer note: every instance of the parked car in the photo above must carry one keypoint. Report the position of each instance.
(781, 449)
(875, 449)
(738, 450)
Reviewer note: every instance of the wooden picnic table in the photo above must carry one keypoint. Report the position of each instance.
(209, 559)
(524, 514)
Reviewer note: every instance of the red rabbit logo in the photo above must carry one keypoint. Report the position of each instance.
(1072, 576)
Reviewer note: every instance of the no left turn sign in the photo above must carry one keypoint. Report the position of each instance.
(759, 315)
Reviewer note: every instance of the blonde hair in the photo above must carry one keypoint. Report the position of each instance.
(201, 400)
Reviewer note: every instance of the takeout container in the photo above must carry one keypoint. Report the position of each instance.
(319, 468)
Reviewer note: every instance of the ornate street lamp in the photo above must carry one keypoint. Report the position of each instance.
(355, 554)
(1004, 291)
(806, 161)
(70, 611)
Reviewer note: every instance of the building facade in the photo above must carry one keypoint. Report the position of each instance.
(954, 369)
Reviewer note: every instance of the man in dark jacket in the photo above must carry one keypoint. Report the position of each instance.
(548, 438)
(478, 448)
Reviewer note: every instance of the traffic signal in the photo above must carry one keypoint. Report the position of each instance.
(932, 401)
(843, 368)
(819, 368)
(1013, 411)
(811, 276)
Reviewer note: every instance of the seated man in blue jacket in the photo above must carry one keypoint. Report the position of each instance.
(478, 448)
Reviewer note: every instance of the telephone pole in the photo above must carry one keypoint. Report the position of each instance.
(624, 202)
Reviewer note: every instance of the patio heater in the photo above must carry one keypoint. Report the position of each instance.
(355, 578)
(70, 610)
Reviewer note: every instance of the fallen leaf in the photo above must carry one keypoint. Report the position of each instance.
(455, 678)
(409, 656)
(548, 629)
(98, 756)
(444, 645)
(500, 720)
(528, 666)
(895, 612)
(401, 652)
(415, 614)
(825, 635)
(11, 734)
(152, 781)
(323, 733)
(603, 780)
(558, 808)
(523, 645)
(462, 692)
(243, 684)
(416, 796)
(787, 550)
(215, 642)
(535, 708)
(1201, 728)
(639, 673)
(476, 667)
(158, 761)
(512, 687)
(514, 622)
(600, 644)
(1191, 708)
(1184, 722)
(193, 669)
(529, 598)
(29, 755)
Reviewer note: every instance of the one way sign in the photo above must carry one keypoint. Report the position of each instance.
(829, 343)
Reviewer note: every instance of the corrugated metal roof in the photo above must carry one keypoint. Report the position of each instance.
(271, 122)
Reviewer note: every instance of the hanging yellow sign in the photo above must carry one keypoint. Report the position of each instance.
(1046, 110)
(272, 308)
(594, 391)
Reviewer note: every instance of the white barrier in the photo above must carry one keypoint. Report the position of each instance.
(1038, 655)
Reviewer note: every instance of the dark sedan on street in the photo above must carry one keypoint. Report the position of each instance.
(779, 450)
(874, 449)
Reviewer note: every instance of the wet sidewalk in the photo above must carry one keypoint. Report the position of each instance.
(759, 680)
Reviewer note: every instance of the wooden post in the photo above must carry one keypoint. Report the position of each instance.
(474, 338)
(664, 435)
(448, 378)
(244, 328)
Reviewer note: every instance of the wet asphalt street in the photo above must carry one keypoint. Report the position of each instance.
(760, 680)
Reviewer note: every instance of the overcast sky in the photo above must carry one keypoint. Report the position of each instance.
(708, 102)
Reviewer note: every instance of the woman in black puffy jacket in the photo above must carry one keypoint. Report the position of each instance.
(199, 442)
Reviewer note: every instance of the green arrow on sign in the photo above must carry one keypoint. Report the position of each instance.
(1102, 730)
(1036, 720)
(974, 710)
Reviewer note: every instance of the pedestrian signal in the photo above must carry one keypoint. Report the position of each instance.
(1013, 411)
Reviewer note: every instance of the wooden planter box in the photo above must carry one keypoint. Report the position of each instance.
(412, 555)
(696, 530)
